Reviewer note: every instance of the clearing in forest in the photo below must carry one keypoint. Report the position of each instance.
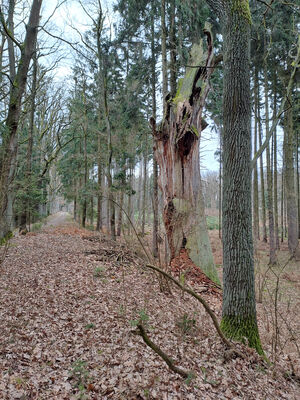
(69, 299)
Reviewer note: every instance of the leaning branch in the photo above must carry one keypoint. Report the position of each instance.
(7, 31)
(199, 298)
(163, 355)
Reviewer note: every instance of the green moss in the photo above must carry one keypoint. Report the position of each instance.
(6, 238)
(185, 84)
(242, 330)
(242, 8)
(195, 130)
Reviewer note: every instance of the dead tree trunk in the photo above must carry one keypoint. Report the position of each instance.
(177, 154)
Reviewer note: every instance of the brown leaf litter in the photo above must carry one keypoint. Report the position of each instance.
(68, 303)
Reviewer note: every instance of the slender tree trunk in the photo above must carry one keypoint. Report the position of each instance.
(99, 179)
(298, 178)
(145, 159)
(121, 202)
(164, 54)
(282, 204)
(275, 171)
(92, 211)
(129, 208)
(289, 178)
(173, 66)
(155, 167)
(220, 187)
(30, 138)
(273, 258)
(139, 194)
(85, 177)
(262, 178)
(255, 172)
(239, 310)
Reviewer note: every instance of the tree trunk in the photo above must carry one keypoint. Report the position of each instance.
(255, 172)
(289, 178)
(239, 310)
(262, 178)
(145, 158)
(275, 171)
(25, 217)
(298, 178)
(173, 67)
(272, 258)
(177, 154)
(164, 54)
(155, 167)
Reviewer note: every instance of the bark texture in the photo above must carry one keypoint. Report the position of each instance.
(177, 154)
(239, 311)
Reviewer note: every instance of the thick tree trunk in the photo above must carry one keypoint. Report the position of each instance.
(239, 310)
(8, 165)
(177, 154)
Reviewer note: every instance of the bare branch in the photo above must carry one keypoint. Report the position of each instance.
(7, 31)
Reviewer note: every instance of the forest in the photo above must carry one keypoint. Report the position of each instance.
(149, 199)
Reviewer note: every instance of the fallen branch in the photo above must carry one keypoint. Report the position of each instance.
(163, 355)
(199, 298)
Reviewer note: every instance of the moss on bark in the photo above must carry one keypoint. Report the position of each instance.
(242, 8)
(242, 330)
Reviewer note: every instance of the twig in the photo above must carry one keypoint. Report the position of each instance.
(163, 355)
(199, 298)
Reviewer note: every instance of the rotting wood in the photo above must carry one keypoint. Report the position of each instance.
(176, 148)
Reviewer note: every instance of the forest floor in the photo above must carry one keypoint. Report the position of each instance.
(69, 299)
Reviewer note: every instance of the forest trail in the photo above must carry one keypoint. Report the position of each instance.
(68, 299)
(59, 219)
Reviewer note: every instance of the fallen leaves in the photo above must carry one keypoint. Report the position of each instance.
(66, 333)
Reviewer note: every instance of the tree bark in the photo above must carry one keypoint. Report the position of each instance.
(239, 310)
(277, 245)
(164, 54)
(155, 166)
(177, 154)
(173, 67)
(255, 172)
(289, 178)
(262, 178)
(272, 249)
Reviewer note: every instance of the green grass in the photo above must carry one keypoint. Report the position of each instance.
(37, 226)
(212, 222)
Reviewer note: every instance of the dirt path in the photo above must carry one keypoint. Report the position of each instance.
(68, 302)
(59, 219)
